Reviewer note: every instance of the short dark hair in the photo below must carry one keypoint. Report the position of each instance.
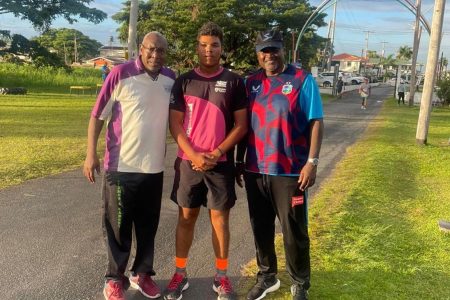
(211, 29)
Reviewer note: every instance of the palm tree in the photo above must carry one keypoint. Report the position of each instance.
(404, 53)
(388, 61)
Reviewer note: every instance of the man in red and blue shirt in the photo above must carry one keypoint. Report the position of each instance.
(282, 153)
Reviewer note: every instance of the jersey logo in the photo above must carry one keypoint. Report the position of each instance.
(221, 86)
(267, 36)
(256, 88)
(287, 88)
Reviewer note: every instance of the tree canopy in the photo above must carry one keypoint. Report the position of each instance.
(62, 41)
(240, 20)
(17, 45)
(405, 53)
(41, 13)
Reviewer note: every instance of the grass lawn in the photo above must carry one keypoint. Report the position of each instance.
(373, 225)
(42, 134)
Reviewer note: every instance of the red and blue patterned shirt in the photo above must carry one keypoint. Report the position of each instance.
(281, 108)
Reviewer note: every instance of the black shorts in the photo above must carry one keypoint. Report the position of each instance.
(213, 189)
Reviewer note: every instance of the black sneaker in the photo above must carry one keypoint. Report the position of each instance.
(177, 285)
(444, 226)
(298, 292)
(262, 287)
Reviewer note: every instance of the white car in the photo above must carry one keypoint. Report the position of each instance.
(355, 79)
(325, 79)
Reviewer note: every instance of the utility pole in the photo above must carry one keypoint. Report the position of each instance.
(132, 30)
(75, 53)
(441, 66)
(65, 53)
(382, 58)
(417, 31)
(367, 42)
(333, 28)
(430, 72)
(366, 56)
(294, 54)
(382, 48)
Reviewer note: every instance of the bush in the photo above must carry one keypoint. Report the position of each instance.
(46, 77)
(443, 91)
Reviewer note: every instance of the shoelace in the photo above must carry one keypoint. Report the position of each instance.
(116, 289)
(225, 285)
(176, 280)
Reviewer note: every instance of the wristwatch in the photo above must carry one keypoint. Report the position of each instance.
(314, 161)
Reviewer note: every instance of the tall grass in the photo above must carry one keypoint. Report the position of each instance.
(46, 78)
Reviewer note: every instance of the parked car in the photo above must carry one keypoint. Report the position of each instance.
(391, 81)
(325, 79)
(355, 79)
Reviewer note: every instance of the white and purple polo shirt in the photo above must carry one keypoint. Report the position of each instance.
(136, 109)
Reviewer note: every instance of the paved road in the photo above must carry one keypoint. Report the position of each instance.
(50, 234)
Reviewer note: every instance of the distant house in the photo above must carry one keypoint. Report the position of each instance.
(99, 61)
(348, 62)
(114, 51)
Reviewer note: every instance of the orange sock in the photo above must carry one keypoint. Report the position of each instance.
(180, 263)
(221, 265)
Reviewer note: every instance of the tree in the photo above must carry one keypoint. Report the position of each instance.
(63, 42)
(240, 20)
(372, 54)
(41, 13)
(444, 90)
(5, 38)
(404, 53)
(388, 61)
(123, 17)
(20, 45)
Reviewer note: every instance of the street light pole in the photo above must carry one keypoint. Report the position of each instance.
(430, 72)
(412, 83)
(132, 31)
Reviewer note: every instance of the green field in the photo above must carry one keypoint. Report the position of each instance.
(373, 224)
(41, 134)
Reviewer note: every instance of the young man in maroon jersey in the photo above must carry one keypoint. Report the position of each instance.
(208, 116)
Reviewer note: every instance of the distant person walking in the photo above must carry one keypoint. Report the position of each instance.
(105, 71)
(135, 102)
(364, 92)
(339, 87)
(401, 92)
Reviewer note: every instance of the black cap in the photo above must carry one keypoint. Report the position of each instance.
(269, 38)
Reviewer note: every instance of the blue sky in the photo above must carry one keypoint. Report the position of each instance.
(387, 20)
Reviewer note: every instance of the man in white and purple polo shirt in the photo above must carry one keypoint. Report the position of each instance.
(134, 102)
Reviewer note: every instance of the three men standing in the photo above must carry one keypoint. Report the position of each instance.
(208, 117)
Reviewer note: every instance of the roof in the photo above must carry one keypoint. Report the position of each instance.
(347, 57)
(111, 59)
(111, 48)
